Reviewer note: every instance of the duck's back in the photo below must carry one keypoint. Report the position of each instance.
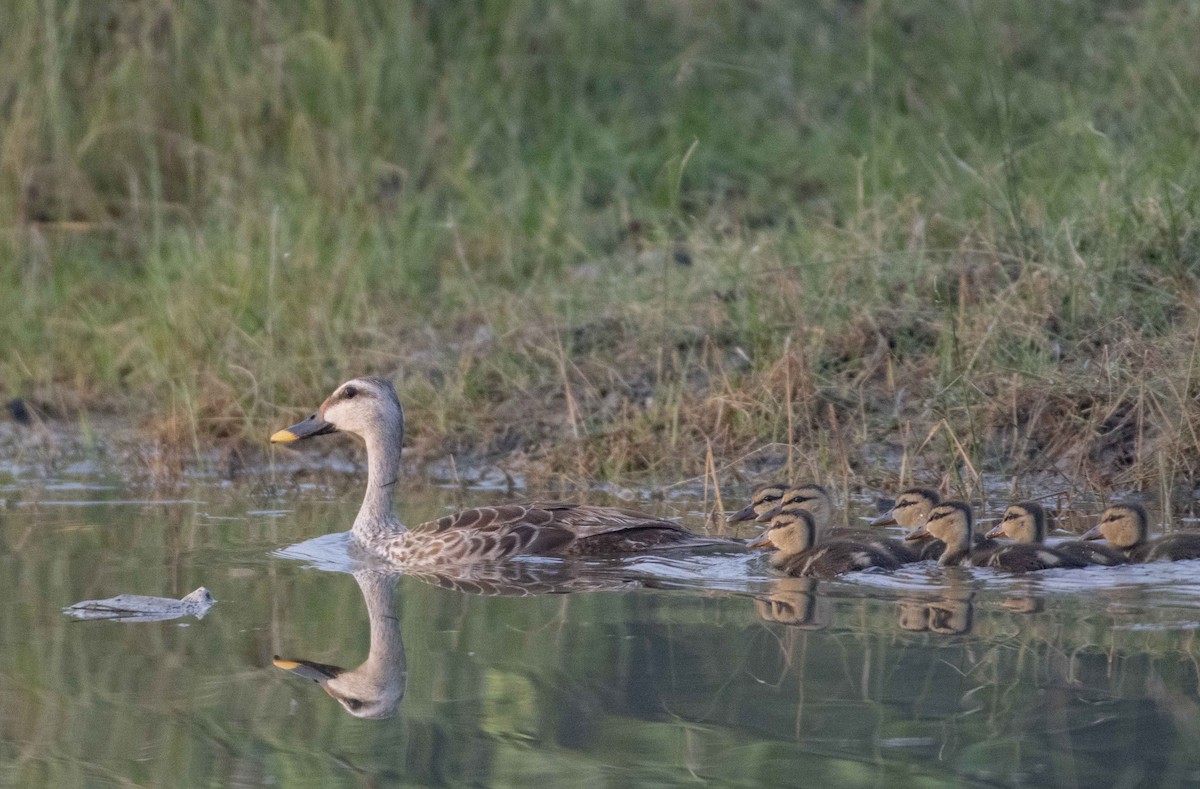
(891, 546)
(1171, 548)
(1091, 553)
(541, 528)
(831, 559)
(1025, 558)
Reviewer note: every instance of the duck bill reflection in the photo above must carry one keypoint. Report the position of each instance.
(317, 672)
(313, 426)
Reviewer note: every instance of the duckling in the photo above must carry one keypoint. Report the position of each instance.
(794, 536)
(952, 523)
(911, 509)
(763, 498)
(1127, 528)
(369, 408)
(815, 500)
(1026, 523)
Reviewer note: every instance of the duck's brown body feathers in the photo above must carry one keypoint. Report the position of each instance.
(831, 559)
(1171, 548)
(1024, 558)
(539, 528)
(1090, 553)
(891, 546)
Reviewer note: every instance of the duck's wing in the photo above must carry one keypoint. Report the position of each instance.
(580, 520)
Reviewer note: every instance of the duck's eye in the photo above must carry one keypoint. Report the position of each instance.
(899, 505)
(349, 392)
(353, 704)
(1012, 516)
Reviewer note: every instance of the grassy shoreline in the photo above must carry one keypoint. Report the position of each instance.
(612, 239)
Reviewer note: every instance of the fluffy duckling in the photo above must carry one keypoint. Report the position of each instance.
(793, 535)
(816, 500)
(911, 509)
(1026, 523)
(763, 498)
(952, 523)
(1127, 528)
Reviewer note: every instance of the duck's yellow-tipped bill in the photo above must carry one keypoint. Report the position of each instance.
(317, 672)
(313, 426)
(286, 665)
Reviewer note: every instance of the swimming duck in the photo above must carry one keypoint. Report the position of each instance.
(952, 523)
(763, 498)
(815, 500)
(911, 509)
(1127, 528)
(369, 408)
(1026, 523)
(793, 535)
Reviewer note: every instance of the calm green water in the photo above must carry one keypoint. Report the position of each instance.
(721, 674)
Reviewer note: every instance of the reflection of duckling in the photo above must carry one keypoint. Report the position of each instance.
(794, 602)
(794, 536)
(951, 613)
(817, 501)
(376, 688)
(951, 522)
(911, 509)
(1026, 523)
(1127, 528)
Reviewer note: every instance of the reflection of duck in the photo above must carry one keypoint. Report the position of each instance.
(949, 615)
(793, 535)
(1127, 528)
(910, 510)
(794, 602)
(369, 408)
(374, 689)
(952, 522)
(1026, 523)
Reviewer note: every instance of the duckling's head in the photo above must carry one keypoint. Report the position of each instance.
(950, 522)
(1123, 525)
(763, 498)
(361, 406)
(361, 693)
(808, 497)
(790, 533)
(1024, 522)
(911, 508)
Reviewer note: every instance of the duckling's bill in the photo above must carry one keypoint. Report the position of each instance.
(996, 531)
(744, 514)
(1093, 533)
(763, 541)
(313, 426)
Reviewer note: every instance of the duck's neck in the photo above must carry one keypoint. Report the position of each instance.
(957, 550)
(385, 665)
(375, 517)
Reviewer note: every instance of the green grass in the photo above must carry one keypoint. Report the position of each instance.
(971, 221)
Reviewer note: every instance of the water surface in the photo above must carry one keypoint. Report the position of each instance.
(687, 670)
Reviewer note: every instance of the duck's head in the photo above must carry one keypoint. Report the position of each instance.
(362, 694)
(1123, 525)
(763, 498)
(361, 406)
(808, 497)
(1024, 522)
(950, 522)
(790, 533)
(911, 508)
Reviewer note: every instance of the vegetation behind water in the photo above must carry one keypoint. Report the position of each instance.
(608, 236)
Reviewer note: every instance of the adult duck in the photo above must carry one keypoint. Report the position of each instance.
(369, 408)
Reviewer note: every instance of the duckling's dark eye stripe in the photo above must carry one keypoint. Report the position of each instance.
(1012, 516)
(940, 515)
(902, 504)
